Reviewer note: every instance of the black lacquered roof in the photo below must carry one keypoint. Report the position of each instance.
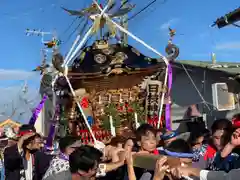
(95, 60)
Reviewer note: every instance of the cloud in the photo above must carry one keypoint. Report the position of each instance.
(228, 46)
(14, 74)
(169, 23)
(13, 100)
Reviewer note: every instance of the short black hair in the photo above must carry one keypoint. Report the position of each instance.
(27, 127)
(143, 130)
(236, 116)
(30, 140)
(117, 140)
(179, 146)
(194, 135)
(84, 158)
(222, 124)
(66, 141)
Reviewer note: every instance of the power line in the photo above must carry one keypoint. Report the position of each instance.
(144, 8)
(69, 26)
(74, 20)
(72, 33)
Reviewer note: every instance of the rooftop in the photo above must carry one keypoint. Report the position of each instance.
(9, 122)
(228, 67)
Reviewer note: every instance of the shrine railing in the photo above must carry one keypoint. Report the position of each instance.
(104, 135)
(101, 135)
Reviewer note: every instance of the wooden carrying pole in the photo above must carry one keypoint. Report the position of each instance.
(148, 161)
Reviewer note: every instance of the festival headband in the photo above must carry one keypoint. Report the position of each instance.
(22, 133)
(178, 155)
(169, 136)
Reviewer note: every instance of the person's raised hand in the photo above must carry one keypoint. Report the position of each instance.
(161, 168)
(116, 154)
(129, 157)
(180, 172)
(235, 139)
(22, 139)
(176, 173)
(121, 155)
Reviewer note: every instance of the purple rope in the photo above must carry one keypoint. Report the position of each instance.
(49, 142)
(63, 157)
(168, 105)
(37, 111)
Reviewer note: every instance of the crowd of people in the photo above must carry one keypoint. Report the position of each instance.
(205, 154)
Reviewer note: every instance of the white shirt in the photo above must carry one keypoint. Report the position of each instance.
(220, 175)
(28, 168)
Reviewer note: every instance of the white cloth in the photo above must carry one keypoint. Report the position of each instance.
(146, 176)
(220, 175)
(57, 165)
(28, 168)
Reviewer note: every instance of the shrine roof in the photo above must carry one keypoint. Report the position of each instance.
(94, 60)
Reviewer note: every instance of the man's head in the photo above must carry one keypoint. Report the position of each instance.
(146, 137)
(33, 143)
(68, 144)
(183, 148)
(196, 139)
(26, 129)
(219, 128)
(84, 161)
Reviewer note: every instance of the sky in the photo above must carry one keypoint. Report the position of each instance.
(191, 19)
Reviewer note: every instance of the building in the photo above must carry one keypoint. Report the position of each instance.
(204, 75)
(9, 123)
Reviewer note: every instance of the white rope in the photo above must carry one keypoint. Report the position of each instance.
(79, 46)
(81, 110)
(148, 47)
(69, 83)
(132, 35)
(162, 99)
(71, 50)
(194, 85)
(85, 38)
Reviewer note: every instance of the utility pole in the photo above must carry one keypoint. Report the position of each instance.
(34, 32)
(124, 23)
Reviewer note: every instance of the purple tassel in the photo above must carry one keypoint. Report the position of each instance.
(49, 141)
(52, 131)
(168, 105)
(37, 111)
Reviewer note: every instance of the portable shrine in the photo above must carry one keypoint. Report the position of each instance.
(116, 86)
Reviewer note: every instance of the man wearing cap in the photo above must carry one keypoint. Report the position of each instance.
(24, 161)
(60, 164)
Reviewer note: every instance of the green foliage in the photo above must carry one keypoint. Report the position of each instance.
(122, 111)
(136, 106)
(111, 110)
